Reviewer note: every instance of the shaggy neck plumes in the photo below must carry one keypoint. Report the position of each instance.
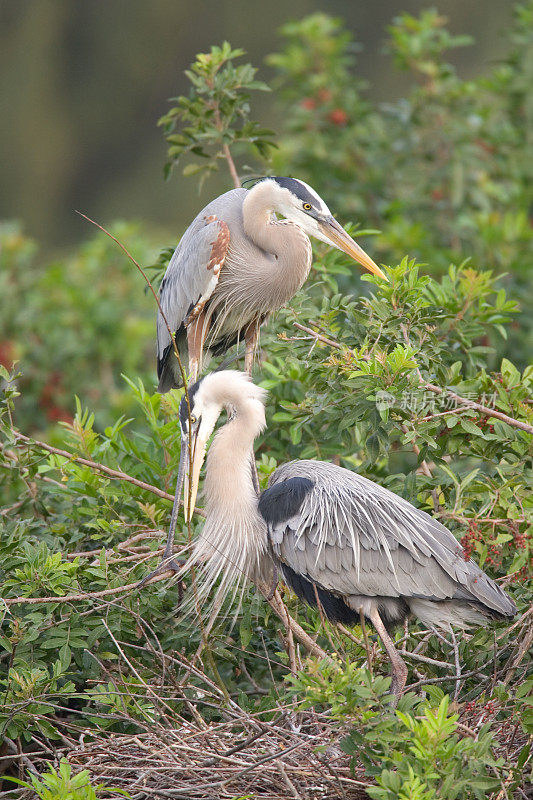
(232, 546)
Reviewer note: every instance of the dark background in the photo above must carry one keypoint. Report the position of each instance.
(83, 84)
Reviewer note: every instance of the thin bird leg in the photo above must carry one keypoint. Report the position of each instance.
(399, 669)
(250, 339)
(195, 343)
(367, 644)
(274, 584)
(457, 664)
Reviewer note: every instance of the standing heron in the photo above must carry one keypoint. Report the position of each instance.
(236, 264)
(339, 539)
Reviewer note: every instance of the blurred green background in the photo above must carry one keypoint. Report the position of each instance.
(83, 84)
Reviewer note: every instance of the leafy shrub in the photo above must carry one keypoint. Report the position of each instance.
(413, 751)
(420, 384)
(60, 784)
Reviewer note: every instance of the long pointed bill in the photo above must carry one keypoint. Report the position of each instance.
(198, 446)
(336, 234)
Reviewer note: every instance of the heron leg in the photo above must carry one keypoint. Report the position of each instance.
(399, 668)
(195, 342)
(250, 339)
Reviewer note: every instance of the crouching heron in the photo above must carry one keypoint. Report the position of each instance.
(337, 538)
(236, 264)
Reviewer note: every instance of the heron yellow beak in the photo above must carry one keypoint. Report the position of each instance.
(336, 234)
(198, 447)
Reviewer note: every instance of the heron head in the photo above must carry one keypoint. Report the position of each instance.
(199, 411)
(299, 203)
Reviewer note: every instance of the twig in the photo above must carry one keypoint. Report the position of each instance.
(71, 598)
(416, 450)
(111, 473)
(425, 659)
(425, 681)
(487, 412)
(318, 336)
(231, 164)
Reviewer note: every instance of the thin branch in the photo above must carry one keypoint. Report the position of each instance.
(111, 473)
(225, 149)
(487, 412)
(317, 336)
(72, 598)
(231, 164)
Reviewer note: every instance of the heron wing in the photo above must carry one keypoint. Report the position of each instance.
(353, 537)
(190, 280)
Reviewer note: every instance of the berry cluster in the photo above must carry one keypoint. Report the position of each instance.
(336, 115)
(468, 541)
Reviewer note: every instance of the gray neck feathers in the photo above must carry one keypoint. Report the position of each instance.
(283, 239)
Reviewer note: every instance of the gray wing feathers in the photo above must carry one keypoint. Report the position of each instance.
(187, 279)
(354, 537)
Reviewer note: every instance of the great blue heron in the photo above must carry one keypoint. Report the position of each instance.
(236, 264)
(339, 539)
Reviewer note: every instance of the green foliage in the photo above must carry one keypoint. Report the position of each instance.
(215, 115)
(420, 754)
(396, 380)
(74, 324)
(412, 751)
(444, 172)
(61, 784)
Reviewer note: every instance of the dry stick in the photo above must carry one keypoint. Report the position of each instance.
(71, 598)
(487, 412)
(111, 473)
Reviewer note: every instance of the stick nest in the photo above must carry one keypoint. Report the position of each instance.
(218, 762)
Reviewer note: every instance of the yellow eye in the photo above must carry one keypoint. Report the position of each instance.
(307, 206)
(193, 419)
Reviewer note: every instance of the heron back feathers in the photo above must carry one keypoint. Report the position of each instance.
(360, 541)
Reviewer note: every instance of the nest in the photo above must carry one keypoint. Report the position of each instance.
(216, 762)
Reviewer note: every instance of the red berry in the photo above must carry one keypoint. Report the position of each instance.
(338, 116)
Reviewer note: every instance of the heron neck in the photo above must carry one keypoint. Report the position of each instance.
(283, 239)
(234, 542)
(229, 489)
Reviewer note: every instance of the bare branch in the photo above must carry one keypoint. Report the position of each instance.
(72, 598)
(111, 473)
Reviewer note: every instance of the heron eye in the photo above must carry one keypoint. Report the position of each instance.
(307, 206)
(193, 419)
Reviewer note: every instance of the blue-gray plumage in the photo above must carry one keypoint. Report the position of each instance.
(358, 539)
(236, 264)
(339, 539)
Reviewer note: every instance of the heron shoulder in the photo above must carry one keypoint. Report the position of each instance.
(283, 500)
